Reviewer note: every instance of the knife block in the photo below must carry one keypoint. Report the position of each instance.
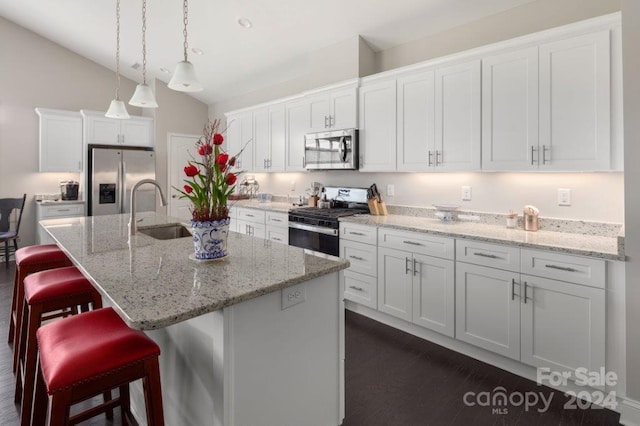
(373, 206)
(382, 208)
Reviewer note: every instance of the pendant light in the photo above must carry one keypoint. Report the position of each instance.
(184, 78)
(143, 96)
(117, 109)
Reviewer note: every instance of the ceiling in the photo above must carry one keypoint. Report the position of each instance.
(238, 60)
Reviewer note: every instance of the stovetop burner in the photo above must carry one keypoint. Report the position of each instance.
(325, 213)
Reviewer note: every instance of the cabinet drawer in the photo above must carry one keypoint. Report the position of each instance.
(360, 288)
(68, 210)
(251, 215)
(359, 233)
(564, 267)
(417, 242)
(361, 256)
(258, 230)
(277, 219)
(278, 234)
(485, 254)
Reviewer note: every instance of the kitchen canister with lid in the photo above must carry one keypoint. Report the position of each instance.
(530, 218)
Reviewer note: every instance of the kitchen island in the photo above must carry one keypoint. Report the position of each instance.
(256, 338)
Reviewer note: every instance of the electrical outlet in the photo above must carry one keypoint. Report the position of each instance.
(391, 190)
(293, 186)
(293, 295)
(466, 193)
(564, 196)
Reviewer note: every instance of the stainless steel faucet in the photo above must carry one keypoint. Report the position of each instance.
(132, 215)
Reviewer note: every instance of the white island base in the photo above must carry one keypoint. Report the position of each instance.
(256, 362)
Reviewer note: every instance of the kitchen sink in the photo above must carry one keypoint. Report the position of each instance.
(166, 232)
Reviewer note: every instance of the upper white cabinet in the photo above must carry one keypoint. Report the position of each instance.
(239, 136)
(333, 109)
(100, 130)
(377, 139)
(510, 110)
(457, 112)
(261, 139)
(297, 124)
(60, 141)
(575, 104)
(269, 138)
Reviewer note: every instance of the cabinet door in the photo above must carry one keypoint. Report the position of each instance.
(319, 108)
(457, 114)
(137, 132)
(575, 91)
(360, 288)
(395, 283)
(488, 309)
(278, 235)
(60, 141)
(276, 138)
(416, 122)
(239, 136)
(434, 294)
(298, 123)
(563, 325)
(260, 139)
(102, 130)
(510, 111)
(343, 107)
(378, 127)
(258, 230)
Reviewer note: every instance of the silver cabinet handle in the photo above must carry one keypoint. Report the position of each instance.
(407, 265)
(276, 239)
(304, 162)
(357, 233)
(490, 256)
(513, 290)
(356, 258)
(544, 154)
(356, 288)
(561, 268)
(325, 121)
(415, 267)
(275, 220)
(63, 210)
(248, 215)
(534, 155)
(525, 292)
(332, 121)
(438, 158)
(430, 158)
(413, 243)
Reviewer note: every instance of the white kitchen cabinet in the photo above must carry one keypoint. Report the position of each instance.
(358, 246)
(233, 215)
(395, 283)
(239, 136)
(60, 141)
(277, 229)
(377, 118)
(57, 210)
(457, 112)
(260, 139)
(100, 130)
(434, 293)
(416, 122)
(563, 325)
(333, 109)
(510, 110)
(488, 308)
(575, 103)
(298, 123)
(269, 138)
(255, 229)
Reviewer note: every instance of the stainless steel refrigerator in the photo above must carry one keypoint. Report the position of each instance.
(112, 173)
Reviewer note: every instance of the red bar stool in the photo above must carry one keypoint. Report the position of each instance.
(31, 259)
(48, 294)
(83, 356)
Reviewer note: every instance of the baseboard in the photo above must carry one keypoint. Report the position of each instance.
(629, 411)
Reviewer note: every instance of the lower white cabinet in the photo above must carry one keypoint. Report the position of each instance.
(60, 210)
(254, 229)
(358, 246)
(277, 227)
(273, 226)
(395, 283)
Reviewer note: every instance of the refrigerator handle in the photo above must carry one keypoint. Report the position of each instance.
(122, 193)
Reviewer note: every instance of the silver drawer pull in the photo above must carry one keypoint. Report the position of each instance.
(357, 233)
(276, 239)
(561, 268)
(356, 258)
(276, 220)
(490, 256)
(356, 288)
(64, 210)
(413, 243)
(248, 215)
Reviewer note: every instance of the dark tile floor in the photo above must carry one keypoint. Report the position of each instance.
(392, 378)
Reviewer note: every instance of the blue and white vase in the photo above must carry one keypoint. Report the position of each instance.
(210, 238)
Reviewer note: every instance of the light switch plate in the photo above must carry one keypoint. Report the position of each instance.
(466, 193)
(391, 190)
(293, 295)
(564, 196)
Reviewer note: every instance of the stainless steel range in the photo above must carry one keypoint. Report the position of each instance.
(317, 229)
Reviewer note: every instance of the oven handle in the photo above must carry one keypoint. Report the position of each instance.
(311, 228)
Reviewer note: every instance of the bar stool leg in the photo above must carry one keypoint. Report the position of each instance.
(40, 398)
(17, 278)
(153, 392)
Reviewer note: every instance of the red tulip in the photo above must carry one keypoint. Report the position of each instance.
(231, 179)
(188, 189)
(205, 149)
(222, 167)
(222, 158)
(232, 161)
(218, 139)
(191, 170)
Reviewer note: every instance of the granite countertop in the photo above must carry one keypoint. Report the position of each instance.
(274, 206)
(62, 202)
(153, 283)
(605, 247)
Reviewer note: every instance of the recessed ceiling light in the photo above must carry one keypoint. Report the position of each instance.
(245, 23)
(197, 51)
(164, 70)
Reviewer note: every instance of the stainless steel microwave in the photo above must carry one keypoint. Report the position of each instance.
(337, 150)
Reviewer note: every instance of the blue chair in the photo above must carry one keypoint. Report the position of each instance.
(7, 205)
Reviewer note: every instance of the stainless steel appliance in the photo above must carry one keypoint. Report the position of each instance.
(112, 173)
(318, 229)
(337, 149)
(69, 190)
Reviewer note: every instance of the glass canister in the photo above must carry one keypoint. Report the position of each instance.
(530, 218)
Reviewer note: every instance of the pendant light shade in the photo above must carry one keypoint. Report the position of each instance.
(184, 78)
(143, 96)
(117, 110)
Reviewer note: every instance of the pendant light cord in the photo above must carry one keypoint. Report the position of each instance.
(117, 50)
(185, 20)
(144, 42)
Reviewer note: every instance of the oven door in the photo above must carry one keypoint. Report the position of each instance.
(316, 238)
